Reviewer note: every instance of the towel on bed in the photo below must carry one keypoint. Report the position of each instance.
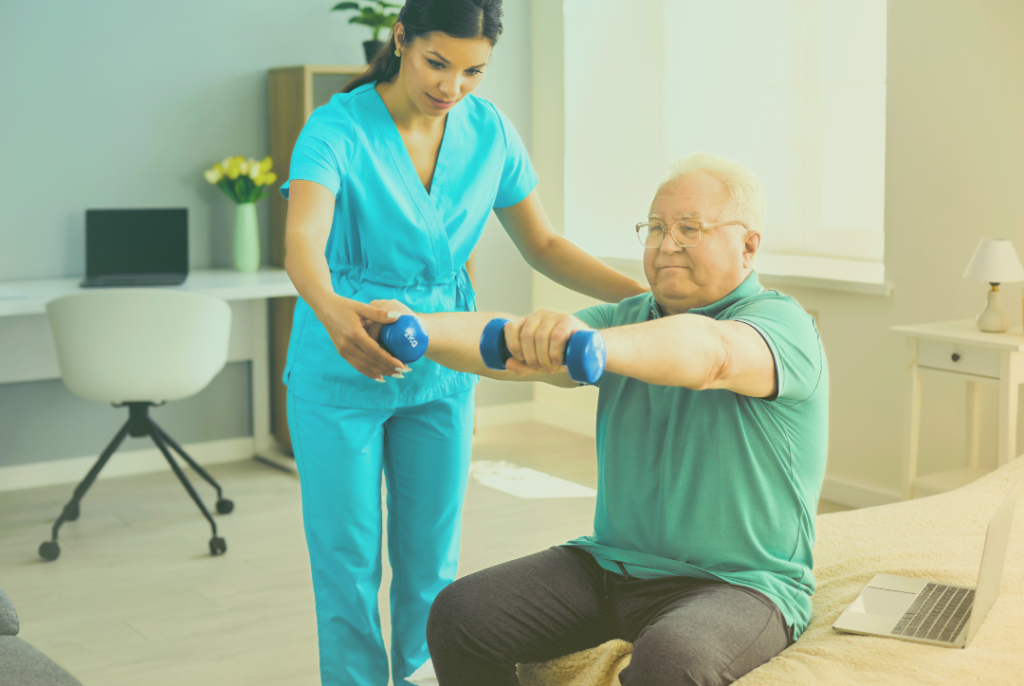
(939, 538)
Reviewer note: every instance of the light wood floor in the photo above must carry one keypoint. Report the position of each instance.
(135, 598)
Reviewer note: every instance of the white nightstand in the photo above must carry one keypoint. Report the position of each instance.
(959, 350)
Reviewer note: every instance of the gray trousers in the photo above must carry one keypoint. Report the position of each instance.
(560, 601)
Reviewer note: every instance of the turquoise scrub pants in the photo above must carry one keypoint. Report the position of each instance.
(423, 453)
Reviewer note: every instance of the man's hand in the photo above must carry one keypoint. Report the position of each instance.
(538, 342)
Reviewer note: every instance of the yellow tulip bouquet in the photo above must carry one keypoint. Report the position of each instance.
(242, 180)
(245, 181)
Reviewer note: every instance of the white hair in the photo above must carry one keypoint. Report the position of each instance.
(746, 193)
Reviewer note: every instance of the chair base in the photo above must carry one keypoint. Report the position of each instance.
(141, 424)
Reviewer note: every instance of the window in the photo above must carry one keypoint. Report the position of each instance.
(793, 89)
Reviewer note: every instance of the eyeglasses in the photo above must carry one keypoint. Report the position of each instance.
(685, 233)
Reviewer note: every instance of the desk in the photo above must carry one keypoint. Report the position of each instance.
(27, 351)
(958, 349)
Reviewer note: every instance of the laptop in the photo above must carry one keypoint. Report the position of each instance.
(136, 247)
(930, 612)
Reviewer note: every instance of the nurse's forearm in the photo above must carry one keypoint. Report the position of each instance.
(559, 259)
(307, 268)
(565, 263)
(455, 344)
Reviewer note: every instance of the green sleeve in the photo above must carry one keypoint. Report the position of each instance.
(598, 316)
(793, 339)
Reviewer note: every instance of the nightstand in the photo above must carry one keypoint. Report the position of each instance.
(959, 349)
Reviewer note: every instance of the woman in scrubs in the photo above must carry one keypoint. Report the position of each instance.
(390, 186)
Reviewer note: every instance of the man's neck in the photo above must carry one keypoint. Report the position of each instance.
(667, 306)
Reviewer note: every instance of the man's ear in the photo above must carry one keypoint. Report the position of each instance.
(751, 244)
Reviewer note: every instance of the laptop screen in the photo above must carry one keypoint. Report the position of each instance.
(136, 242)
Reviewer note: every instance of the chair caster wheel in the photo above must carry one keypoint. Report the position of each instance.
(49, 551)
(71, 513)
(218, 546)
(224, 506)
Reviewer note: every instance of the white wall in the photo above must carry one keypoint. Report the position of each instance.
(954, 174)
(119, 103)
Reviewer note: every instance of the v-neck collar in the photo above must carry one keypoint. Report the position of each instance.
(432, 206)
(441, 180)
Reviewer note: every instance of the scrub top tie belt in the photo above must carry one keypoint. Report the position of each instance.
(420, 294)
(465, 296)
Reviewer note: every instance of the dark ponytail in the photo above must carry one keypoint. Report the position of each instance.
(457, 18)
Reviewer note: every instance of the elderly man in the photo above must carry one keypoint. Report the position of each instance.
(712, 430)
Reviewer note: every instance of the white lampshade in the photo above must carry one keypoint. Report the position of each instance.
(995, 261)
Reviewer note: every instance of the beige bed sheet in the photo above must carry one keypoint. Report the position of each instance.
(938, 537)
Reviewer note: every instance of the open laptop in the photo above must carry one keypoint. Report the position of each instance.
(930, 612)
(136, 247)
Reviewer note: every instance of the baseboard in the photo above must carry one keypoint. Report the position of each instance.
(122, 463)
(567, 418)
(856, 495)
(499, 415)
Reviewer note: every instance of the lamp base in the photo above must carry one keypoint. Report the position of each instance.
(993, 319)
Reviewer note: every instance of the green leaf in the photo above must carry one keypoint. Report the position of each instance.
(346, 6)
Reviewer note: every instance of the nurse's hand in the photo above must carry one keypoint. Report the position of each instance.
(349, 324)
(538, 342)
(388, 306)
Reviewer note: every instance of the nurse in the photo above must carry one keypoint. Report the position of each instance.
(390, 186)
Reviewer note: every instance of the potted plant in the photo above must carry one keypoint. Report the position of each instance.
(245, 181)
(383, 16)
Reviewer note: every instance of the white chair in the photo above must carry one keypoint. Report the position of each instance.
(138, 348)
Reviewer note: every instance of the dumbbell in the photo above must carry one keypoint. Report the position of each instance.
(584, 354)
(405, 338)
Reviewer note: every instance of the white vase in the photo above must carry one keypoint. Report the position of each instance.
(247, 238)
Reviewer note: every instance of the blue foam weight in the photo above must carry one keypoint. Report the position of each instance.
(405, 338)
(584, 355)
(492, 344)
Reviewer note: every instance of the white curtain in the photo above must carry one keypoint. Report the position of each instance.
(792, 89)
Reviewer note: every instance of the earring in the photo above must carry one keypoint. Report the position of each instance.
(398, 53)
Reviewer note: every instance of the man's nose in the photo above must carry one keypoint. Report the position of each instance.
(668, 244)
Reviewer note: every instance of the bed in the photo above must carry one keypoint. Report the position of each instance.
(938, 537)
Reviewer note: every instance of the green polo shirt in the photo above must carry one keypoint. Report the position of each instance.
(713, 484)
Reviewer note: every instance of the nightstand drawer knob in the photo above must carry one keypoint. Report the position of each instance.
(956, 357)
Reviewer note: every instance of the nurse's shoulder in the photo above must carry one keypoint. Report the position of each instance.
(338, 123)
(486, 120)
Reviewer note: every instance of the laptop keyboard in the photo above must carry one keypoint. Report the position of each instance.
(938, 614)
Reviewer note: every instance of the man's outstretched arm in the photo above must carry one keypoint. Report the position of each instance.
(455, 344)
(686, 350)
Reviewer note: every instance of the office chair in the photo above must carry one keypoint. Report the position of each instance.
(139, 348)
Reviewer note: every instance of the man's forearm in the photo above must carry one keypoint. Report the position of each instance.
(681, 350)
(455, 344)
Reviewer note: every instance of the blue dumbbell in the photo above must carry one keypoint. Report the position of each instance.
(405, 338)
(584, 355)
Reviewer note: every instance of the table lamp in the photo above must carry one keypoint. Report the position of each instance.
(996, 262)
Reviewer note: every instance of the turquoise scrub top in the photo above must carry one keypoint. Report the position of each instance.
(390, 239)
(713, 484)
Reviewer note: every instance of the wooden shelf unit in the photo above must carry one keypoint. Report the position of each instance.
(293, 93)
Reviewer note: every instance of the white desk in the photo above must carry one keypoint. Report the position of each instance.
(958, 349)
(27, 351)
